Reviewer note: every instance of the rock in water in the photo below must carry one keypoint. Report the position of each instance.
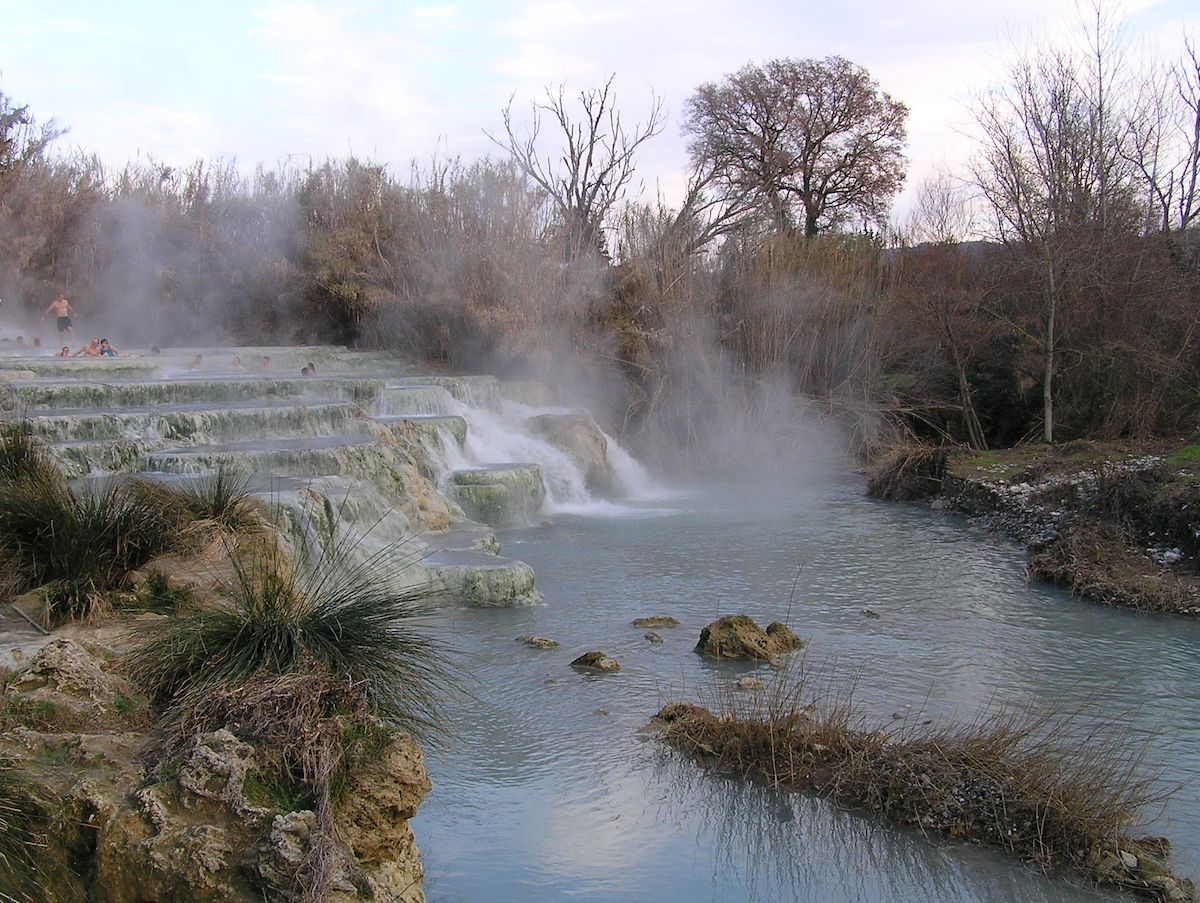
(870, 613)
(538, 642)
(749, 682)
(596, 661)
(653, 637)
(582, 441)
(737, 636)
(656, 621)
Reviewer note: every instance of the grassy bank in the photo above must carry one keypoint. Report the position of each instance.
(1052, 793)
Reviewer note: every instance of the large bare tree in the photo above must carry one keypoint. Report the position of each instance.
(1057, 179)
(817, 141)
(595, 165)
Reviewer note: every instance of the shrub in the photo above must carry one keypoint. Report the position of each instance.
(908, 472)
(78, 546)
(321, 614)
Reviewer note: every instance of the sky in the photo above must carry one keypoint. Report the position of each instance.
(282, 82)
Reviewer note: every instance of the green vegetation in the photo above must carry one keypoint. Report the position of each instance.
(1189, 454)
(79, 546)
(323, 614)
(218, 502)
(1055, 793)
(315, 660)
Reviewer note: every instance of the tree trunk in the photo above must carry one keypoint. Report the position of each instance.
(1048, 374)
(810, 223)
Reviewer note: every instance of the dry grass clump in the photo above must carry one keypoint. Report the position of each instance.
(908, 472)
(1046, 790)
(20, 849)
(1094, 561)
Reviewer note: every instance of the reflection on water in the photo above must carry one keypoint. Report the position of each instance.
(549, 789)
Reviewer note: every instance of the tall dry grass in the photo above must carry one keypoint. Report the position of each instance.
(1058, 792)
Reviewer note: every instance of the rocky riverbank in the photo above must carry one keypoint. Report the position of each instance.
(1115, 523)
(118, 820)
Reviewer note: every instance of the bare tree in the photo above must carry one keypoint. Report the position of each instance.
(817, 141)
(1052, 171)
(596, 164)
(1164, 142)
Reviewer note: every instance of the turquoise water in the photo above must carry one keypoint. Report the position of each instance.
(550, 789)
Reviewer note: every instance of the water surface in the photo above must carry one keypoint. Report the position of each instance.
(551, 790)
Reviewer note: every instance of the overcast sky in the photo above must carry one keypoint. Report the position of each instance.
(393, 81)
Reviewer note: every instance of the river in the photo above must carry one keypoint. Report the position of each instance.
(549, 788)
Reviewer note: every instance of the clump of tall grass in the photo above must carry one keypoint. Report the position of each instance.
(76, 546)
(321, 613)
(313, 659)
(1050, 791)
(20, 813)
(217, 502)
(22, 456)
(79, 545)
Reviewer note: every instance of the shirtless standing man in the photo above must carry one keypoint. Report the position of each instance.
(62, 312)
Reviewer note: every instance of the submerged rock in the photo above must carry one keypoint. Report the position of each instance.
(596, 661)
(739, 637)
(538, 642)
(749, 682)
(870, 613)
(656, 621)
(653, 637)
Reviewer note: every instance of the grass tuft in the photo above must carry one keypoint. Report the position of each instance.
(314, 661)
(22, 455)
(76, 546)
(20, 817)
(323, 614)
(217, 503)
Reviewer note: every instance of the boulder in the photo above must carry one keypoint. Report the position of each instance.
(538, 642)
(64, 675)
(656, 621)
(738, 637)
(581, 440)
(596, 661)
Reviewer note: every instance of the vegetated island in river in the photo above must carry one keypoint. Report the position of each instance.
(1117, 523)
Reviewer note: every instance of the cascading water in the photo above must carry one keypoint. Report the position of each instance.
(497, 436)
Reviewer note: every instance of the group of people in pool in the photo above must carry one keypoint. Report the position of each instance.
(264, 365)
(97, 347)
